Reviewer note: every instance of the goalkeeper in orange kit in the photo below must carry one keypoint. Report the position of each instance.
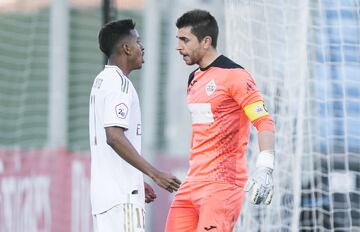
(223, 99)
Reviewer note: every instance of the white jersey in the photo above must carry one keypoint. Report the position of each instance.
(114, 102)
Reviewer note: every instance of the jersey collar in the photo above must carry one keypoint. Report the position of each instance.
(214, 63)
(115, 67)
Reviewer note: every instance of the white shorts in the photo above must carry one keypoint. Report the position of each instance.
(121, 218)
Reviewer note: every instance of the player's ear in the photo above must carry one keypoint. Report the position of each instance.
(207, 40)
(126, 48)
(119, 48)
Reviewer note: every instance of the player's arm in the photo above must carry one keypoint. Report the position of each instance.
(116, 138)
(117, 114)
(243, 89)
(260, 184)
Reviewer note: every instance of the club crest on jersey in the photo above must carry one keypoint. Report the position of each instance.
(210, 87)
(121, 111)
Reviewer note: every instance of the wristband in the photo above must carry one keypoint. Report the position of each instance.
(266, 159)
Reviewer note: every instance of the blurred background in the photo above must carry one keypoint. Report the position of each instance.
(304, 56)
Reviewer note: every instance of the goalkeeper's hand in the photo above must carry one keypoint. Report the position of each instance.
(260, 185)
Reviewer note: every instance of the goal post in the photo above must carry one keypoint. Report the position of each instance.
(58, 74)
(304, 56)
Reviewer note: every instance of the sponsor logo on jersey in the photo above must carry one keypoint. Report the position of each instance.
(210, 87)
(121, 110)
(201, 113)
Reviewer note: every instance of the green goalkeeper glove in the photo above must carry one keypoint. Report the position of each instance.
(260, 186)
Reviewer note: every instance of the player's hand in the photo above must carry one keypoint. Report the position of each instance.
(260, 186)
(166, 181)
(150, 194)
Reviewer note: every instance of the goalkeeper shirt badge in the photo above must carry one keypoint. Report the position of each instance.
(210, 87)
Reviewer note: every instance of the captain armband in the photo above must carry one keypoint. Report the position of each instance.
(255, 110)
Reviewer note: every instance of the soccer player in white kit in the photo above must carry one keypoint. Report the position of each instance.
(118, 191)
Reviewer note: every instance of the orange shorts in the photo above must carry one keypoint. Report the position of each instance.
(205, 206)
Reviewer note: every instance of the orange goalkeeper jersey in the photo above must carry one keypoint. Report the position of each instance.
(223, 99)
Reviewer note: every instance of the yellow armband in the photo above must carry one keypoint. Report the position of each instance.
(255, 110)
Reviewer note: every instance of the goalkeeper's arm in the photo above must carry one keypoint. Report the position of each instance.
(260, 184)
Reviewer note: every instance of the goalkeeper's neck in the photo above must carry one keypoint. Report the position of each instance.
(207, 57)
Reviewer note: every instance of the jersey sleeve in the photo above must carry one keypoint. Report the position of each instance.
(264, 123)
(243, 89)
(117, 107)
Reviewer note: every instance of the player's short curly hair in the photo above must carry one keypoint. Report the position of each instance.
(112, 32)
(202, 24)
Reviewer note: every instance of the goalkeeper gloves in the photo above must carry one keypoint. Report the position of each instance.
(260, 186)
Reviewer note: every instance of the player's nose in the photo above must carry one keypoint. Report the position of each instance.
(179, 47)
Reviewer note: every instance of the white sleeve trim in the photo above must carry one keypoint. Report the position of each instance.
(116, 124)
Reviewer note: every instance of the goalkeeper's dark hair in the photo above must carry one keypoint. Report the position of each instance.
(112, 32)
(202, 24)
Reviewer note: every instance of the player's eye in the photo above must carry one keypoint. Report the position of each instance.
(184, 39)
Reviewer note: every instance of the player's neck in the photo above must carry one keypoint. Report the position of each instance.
(122, 65)
(208, 58)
